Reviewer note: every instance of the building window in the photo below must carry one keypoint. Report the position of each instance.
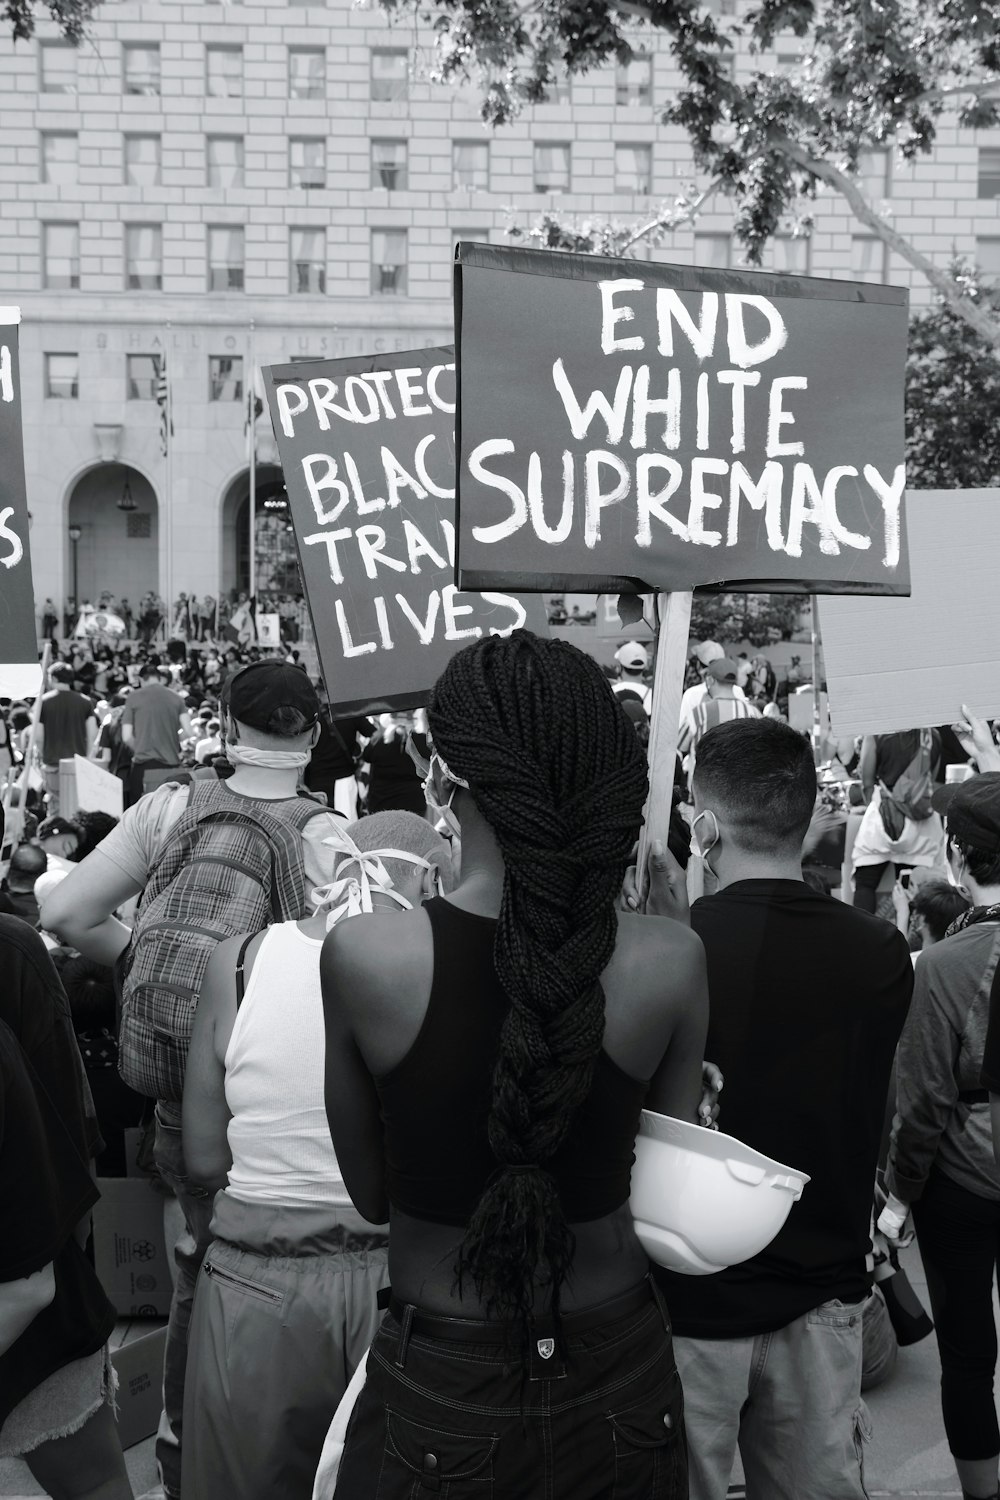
(224, 72)
(308, 257)
(634, 81)
(307, 162)
(142, 372)
(389, 262)
(142, 160)
(141, 68)
(989, 173)
(790, 253)
(58, 157)
(143, 258)
(873, 174)
(633, 169)
(470, 164)
(468, 237)
(62, 377)
(712, 249)
(389, 165)
(61, 257)
(390, 77)
(988, 254)
(307, 73)
(225, 258)
(225, 377)
(552, 169)
(224, 161)
(57, 68)
(867, 258)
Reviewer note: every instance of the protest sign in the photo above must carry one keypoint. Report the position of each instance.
(368, 452)
(269, 630)
(631, 427)
(96, 789)
(20, 673)
(911, 663)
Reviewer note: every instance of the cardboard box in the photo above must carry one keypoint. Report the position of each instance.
(140, 1386)
(129, 1248)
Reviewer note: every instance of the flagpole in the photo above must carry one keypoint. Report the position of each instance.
(252, 414)
(169, 508)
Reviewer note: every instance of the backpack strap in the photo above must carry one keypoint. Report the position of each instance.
(241, 983)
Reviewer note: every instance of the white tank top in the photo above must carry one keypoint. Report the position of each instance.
(279, 1134)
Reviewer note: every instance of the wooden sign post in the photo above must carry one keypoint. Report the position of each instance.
(636, 427)
(20, 674)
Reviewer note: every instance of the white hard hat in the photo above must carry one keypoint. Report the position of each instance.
(633, 656)
(708, 652)
(701, 1200)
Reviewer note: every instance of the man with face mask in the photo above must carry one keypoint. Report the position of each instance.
(270, 718)
(808, 997)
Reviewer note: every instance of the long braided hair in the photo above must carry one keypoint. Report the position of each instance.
(555, 769)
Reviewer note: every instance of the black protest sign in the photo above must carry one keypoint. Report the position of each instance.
(368, 451)
(625, 426)
(20, 673)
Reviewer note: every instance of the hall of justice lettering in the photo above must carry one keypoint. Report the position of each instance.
(656, 412)
(345, 488)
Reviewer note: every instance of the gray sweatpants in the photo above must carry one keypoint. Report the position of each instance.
(284, 1310)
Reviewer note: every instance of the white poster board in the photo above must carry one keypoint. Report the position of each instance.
(911, 663)
(269, 630)
(96, 789)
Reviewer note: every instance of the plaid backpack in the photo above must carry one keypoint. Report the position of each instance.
(224, 868)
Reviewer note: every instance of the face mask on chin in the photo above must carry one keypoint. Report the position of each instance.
(272, 760)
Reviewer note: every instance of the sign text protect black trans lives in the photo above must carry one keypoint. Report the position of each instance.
(367, 447)
(676, 427)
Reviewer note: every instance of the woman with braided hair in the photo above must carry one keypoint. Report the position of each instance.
(487, 1059)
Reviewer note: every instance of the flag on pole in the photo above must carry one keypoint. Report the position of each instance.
(242, 627)
(163, 402)
(254, 409)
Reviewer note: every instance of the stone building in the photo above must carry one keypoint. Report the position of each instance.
(212, 186)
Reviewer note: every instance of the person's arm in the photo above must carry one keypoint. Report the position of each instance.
(128, 734)
(677, 1085)
(990, 1078)
(348, 974)
(866, 766)
(186, 727)
(926, 1085)
(206, 1116)
(93, 730)
(39, 742)
(977, 741)
(79, 909)
(21, 1302)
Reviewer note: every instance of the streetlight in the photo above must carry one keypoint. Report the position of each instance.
(75, 534)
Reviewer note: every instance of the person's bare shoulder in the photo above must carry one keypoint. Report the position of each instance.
(656, 962)
(373, 964)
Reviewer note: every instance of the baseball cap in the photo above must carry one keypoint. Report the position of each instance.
(723, 669)
(253, 694)
(973, 810)
(55, 827)
(634, 655)
(708, 651)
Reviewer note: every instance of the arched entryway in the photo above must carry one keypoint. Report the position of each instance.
(112, 526)
(277, 559)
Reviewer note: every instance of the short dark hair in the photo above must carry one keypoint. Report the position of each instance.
(61, 671)
(762, 774)
(150, 668)
(984, 867)
(939, 904)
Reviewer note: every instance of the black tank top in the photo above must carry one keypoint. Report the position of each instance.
(435, 1103)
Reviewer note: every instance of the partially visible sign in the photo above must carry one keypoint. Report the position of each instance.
(96, 789)
(911, 663)
(269, 630)
(638, 427)
(20, 674)
(368, 452)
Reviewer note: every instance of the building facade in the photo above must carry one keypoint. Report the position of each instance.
(201, 188)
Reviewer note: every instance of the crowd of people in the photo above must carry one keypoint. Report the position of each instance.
(150, 618)
(392, 996)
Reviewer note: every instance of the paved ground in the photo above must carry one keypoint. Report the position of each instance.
(908, 1456)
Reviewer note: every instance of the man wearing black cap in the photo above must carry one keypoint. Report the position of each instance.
(270, 721)
(17, 893)
(941, 1161)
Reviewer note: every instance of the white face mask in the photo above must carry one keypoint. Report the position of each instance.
(274, 760)
(705, 849)
(438, 778)
(350, 895)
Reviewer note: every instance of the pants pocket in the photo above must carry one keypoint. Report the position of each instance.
(650, 1453)
(421, 1460)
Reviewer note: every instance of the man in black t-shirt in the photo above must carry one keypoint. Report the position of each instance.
(808, 997)
(67, 726)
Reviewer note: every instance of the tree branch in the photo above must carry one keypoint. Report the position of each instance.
(670, 221)
(977, 317)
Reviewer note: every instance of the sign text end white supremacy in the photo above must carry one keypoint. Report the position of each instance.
(670, 427)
